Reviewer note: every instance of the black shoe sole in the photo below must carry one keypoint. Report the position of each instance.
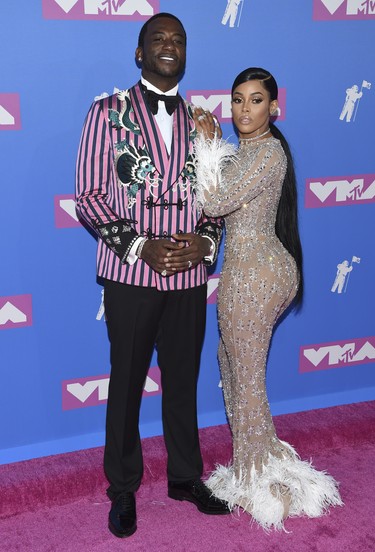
(178, 495)
(121, 535)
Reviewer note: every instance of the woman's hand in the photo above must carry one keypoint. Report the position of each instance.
(206, 123)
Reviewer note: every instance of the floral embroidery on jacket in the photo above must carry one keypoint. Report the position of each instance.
(134, 165)
(124, 118)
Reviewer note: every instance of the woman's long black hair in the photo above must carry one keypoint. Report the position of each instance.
(286, 225)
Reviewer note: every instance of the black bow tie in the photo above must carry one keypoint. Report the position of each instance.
(152, 98)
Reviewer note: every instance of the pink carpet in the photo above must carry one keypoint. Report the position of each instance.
(58, 503)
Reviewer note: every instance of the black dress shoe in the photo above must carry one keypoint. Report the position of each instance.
(122, 520)
(197, 493)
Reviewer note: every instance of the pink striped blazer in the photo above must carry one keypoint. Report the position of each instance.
(127, 185)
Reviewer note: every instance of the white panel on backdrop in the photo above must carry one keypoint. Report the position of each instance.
(100, 9)
(10, 117)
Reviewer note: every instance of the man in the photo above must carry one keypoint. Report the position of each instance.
(135, 174)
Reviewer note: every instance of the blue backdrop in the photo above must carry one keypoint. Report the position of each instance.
(56, 57)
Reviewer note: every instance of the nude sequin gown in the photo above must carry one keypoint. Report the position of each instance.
(258, 282)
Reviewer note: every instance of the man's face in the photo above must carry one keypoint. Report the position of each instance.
(164, 52)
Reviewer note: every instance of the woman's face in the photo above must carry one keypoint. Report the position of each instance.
(251, 108)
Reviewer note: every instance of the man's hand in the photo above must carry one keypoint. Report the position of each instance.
(189, 253)
(155, 253)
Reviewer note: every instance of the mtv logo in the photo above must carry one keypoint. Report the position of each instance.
(216, 101)
(325, 356)
(335, 191)
(15, 311)
(219, 102)
(213, 282)
(65, 212)
(10, 112)
(82, 392)
(360, 7)
(324, 10)
(100, 10)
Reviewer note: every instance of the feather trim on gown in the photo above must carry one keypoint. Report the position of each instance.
(310, 492)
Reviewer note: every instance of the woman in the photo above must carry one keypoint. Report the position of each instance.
(255, 191)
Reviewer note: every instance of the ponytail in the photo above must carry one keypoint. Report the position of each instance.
(286, 226)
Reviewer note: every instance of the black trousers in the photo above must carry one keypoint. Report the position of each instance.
(139, 318)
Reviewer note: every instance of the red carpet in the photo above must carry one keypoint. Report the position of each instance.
(59, 504)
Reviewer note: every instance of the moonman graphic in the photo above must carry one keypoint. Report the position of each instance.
(352, 95)
(231, 12)
(342, 270)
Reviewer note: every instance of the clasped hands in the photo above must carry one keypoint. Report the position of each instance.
(169, 257)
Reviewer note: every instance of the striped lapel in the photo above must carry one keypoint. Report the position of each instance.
(150, 130)
(180, 143)
(171, 166)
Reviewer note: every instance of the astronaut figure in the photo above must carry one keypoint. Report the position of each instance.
(352, 95)
(342, 270)
(231, 12)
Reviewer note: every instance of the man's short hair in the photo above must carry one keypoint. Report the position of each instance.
(142, 32)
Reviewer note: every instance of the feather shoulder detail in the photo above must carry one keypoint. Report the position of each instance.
(211, 157)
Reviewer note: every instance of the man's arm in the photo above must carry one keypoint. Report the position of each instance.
(94, 172)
